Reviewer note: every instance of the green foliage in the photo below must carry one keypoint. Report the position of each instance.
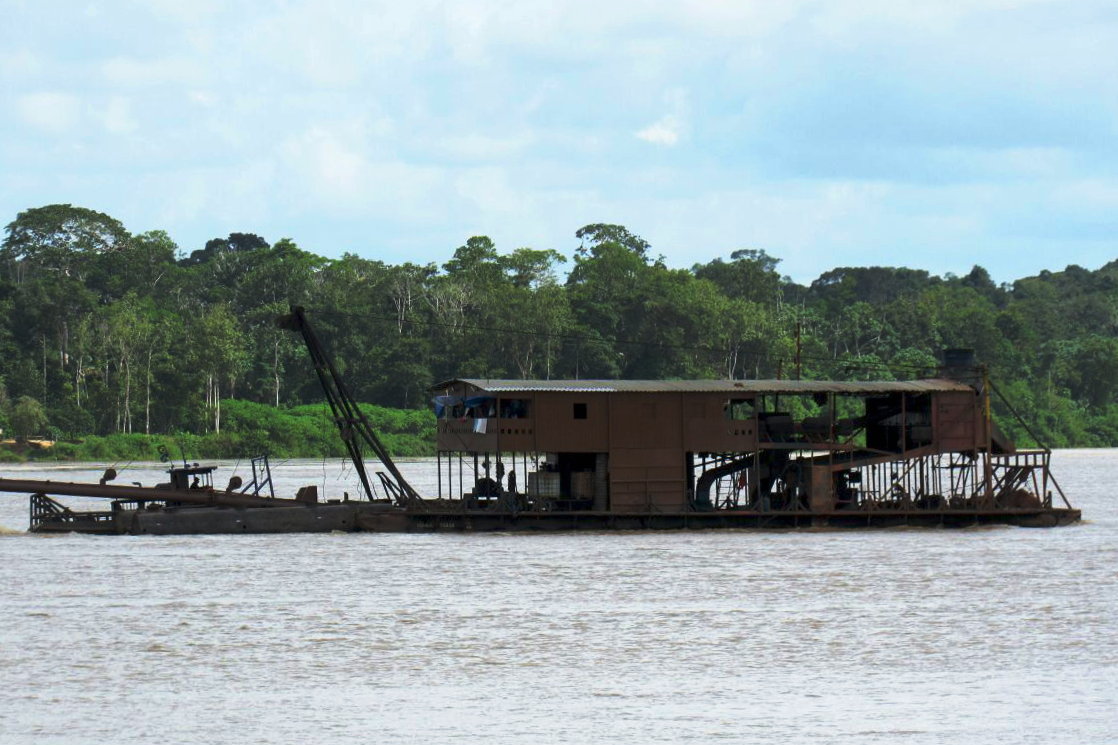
(252, 429)
(115, 334)
(28, 418)
(60, 239)
(5, 409)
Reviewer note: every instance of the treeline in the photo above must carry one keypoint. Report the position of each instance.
(106, 332)
(248, 429)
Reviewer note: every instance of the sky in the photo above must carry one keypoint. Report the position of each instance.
(934, 135)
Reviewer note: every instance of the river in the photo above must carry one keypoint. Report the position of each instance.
(987, 635)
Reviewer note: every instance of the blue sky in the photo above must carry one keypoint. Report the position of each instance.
(829, 133)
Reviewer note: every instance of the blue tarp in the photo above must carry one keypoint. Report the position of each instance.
(442, 402)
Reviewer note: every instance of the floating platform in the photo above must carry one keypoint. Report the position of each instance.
(355, 516)
(458, 522)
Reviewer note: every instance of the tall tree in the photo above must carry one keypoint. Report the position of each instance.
(59, 239)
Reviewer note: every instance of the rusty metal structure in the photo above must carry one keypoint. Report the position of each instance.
(186, 502)
(622, 455)
(353, 425)
(602, 454)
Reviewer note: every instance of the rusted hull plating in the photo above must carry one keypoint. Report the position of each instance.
(356, 517)
(611, 521)
(290, 516)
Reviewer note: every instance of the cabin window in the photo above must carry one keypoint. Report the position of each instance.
(738, 409)
(516, 408)
(580, 411)
(480, 407)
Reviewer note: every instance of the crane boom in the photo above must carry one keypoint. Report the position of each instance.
(352, 423)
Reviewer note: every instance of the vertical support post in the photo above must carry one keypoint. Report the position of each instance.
(906, 477)
(799, 347)
(831, 405)
(1045, 494)
(756, 485)
(904, 425)
(601, 482)
(989, 473)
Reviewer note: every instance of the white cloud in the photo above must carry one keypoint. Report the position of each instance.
(55, 113)
(666, 131)
(20, 65)
(525, 120)
(132, 72)
(1087, 194)
(202, 98)
(672, 127)
(117, 116)
(489, 189)
(336, 168)
(340, 43)
(331, 159)
(476, 146)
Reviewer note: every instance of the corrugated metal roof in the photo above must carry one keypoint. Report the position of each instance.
(709, 386)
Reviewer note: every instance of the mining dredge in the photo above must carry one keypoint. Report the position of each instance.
(523, 455)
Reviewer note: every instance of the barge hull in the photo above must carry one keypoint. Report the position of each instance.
(524, 522)
(379, 518)
(225, 521)
(324, 518)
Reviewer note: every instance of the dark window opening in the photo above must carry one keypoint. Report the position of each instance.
(516, 408)
(580, 411)
(738, 409)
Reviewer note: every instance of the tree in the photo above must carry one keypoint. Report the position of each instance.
(406, 288)
(279, 277)
(59, 239)
(50, 254)
(220, 356)
(28, 418)
(751, 275)
(911, 363)
(742, 332)
(876, 285)
(141, 265)
(215, 248)
(5, 408)
(980, 281)
(599, 234)
(1095, 365)
(531, 269)
(607, 290)
(540, 317)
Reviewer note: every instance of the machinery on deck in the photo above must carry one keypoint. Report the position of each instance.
(645, 454)
(352, 423)
(189, 492)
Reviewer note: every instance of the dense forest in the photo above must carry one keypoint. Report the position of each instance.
(105, 332)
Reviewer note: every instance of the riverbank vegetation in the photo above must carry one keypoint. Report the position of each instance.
(114, 342)
(251, 429)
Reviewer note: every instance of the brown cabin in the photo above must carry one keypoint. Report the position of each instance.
(629, 446)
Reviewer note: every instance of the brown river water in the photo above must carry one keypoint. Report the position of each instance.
(988, 635)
